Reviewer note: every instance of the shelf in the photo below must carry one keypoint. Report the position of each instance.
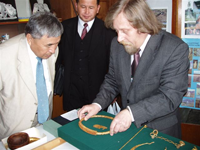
(19, 22)
(12, 22)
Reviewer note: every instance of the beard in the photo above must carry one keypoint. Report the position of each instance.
(129, 47)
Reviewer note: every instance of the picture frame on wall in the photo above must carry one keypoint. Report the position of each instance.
(161, 15)
(163, 12)
(190, 19)
(8, 11)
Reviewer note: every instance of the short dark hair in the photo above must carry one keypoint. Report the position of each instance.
(98, 1)
(43, 23)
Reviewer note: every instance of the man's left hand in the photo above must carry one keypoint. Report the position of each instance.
(121, 122)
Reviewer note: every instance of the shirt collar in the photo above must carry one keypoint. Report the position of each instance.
(31, 53)
(144, 44)
(81, 23)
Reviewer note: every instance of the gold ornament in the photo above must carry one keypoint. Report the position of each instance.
(154, 134)
(145, 126)
(33, 139)
(93, 132)
(99, 126)
(195, 148)
(141, 145)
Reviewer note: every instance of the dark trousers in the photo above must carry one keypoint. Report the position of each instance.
(79, 91)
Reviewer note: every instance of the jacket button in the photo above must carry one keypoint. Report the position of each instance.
(128, 101)
(35, 103)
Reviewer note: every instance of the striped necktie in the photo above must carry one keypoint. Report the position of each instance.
(84, 32)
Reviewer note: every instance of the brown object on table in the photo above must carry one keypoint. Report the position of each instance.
(18, 140)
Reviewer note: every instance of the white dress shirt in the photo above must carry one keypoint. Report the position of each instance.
(34, 62)
(81, 25)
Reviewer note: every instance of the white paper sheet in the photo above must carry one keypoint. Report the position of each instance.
(70, 115)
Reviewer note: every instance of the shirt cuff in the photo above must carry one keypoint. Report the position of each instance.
(132, 118)
(98, 106)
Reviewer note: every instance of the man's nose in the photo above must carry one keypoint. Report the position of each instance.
(53, 49)
(86, 10)
(119, 37)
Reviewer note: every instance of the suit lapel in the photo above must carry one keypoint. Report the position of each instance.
(125, 66)
(96, 36)
(71, 36)
(25, 68)
(147, 58)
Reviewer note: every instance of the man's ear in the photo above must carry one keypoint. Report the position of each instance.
(29, 38)
(98, 8)
(76, 6)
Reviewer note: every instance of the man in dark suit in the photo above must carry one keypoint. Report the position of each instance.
(85, 59)
(153, 95)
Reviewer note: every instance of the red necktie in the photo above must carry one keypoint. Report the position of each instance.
(84, 31)
(135, 62)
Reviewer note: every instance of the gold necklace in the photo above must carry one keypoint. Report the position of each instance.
(93, 132)
(154, 134)
(145, 126)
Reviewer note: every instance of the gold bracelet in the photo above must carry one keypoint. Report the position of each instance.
(93, 132)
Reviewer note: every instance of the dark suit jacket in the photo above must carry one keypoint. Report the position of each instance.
(159, 83)
(98, 55)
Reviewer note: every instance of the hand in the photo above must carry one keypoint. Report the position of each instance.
(88, 111)
(121, 122)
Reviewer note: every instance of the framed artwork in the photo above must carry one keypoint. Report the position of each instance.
(163, 11)
(190, 19)
(161, 15)
(8, 11)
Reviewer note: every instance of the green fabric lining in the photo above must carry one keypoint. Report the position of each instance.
(84, 141)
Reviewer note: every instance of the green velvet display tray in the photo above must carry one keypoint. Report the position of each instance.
(84, 141)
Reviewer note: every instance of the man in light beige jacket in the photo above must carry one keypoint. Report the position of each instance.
(18, 96)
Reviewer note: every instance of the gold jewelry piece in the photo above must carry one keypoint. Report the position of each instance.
(93, 132)
(145, 126)
(165, 148)
(154, 134)
(99, 126)
(33, 139)
(195, 148)
(141, 145)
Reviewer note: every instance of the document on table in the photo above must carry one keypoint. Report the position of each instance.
(71, 115)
